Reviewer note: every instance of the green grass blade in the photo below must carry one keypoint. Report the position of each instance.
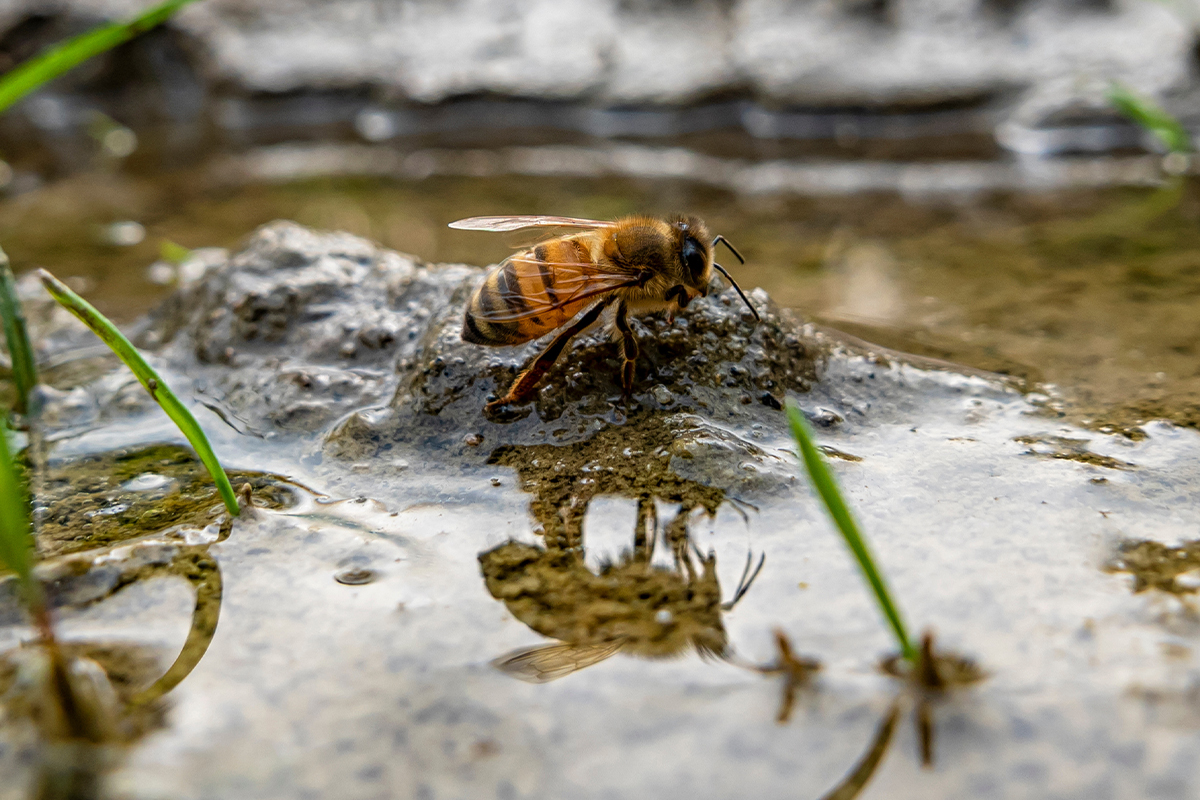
(173, 253)
(41, 69)
(24, 368)
(158, 389)
(1151, 117)
(16, 542)
(827, 488)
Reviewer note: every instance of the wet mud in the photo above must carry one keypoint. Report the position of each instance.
(106, 498)
(1155, 565)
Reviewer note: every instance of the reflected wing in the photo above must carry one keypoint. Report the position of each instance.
(549, 662)
(517, 223)
(574, 282)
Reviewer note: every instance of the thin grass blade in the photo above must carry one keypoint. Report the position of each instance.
(176, 410)
(173, 253)
(826, 486)
(1151, 117)
(16, 543)
(24, 368)
(41, 69)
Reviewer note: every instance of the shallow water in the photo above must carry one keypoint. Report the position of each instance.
(1025, 537)
(313, 687)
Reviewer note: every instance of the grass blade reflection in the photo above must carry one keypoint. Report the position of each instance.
(853, 784)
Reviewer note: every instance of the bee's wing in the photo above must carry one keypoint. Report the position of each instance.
(574, 282)
(549, 662)
(517, 223)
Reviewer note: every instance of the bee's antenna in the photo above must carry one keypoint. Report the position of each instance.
(732, 249)
(741, 294)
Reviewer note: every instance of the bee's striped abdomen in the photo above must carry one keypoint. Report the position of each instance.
(520, 299)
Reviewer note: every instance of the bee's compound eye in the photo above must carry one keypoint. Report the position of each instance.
(693, 258)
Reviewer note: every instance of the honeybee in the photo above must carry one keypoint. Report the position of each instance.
(632, 265)
(631, 607)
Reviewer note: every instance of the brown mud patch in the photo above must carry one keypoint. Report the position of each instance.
(100, 500)
(1154, 565)
(1067, 449)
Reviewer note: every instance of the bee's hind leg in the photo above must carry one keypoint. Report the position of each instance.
(521, 391)
(629, 348)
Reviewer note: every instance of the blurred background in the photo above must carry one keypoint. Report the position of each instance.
(946, 178)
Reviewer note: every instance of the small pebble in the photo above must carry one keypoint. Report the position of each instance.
(472, 440)
(495, 481)
(355, 577)
(662, 395)
(824, 417)
(160, 273)
(147, 482)
(124, 234)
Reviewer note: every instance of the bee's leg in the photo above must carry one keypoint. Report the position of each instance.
(522, 389)
(629, 348)
(645, 532)
(677, 536)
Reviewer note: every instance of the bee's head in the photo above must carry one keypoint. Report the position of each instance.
(695, 253)
(696, 258)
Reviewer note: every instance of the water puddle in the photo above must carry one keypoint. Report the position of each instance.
(654, 570)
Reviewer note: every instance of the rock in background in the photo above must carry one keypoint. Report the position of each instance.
(1035, 63)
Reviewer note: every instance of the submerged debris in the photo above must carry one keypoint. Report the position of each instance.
(929, 680)
(102, 499)
(797, 671)
(355, 577)
(1068, 449)
(1154, 565)
(105, 677)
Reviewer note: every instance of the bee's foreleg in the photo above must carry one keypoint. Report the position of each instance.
(645, 532)
(522, 389)
(629, 347)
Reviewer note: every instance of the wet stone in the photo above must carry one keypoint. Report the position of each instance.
(282, 307)
(355, 577)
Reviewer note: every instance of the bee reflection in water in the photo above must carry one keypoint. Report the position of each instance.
(629, 607)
